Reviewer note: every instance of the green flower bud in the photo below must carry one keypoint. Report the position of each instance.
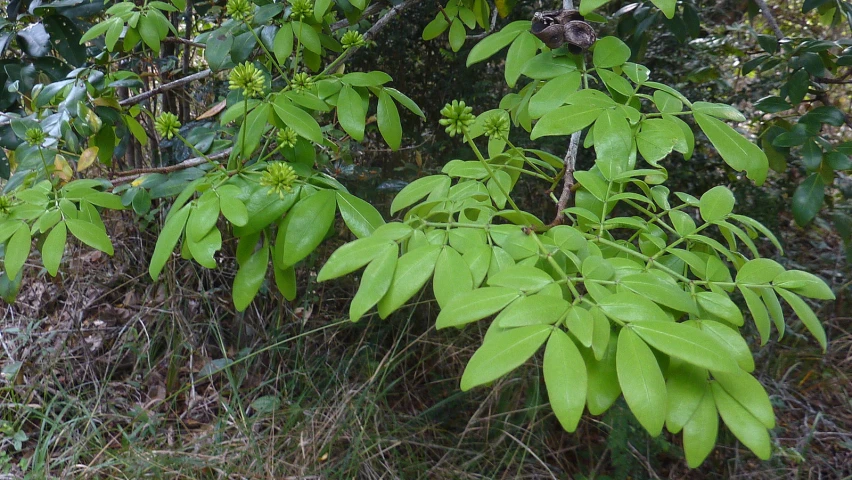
(239, 9)
(301, 9)
(301, 82)
(352, 39)
(457, 118)
(287, 137)
(249, 79)
(279, 177)
(35, 136)
(167, 125)
(6, 205)
(496, 126)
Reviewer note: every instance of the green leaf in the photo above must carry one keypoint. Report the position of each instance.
(565, 120)
(285, 280)
(610, 52)
(804, 283)
(203, 250)
(65, 37)
(475, 305)
(700, 432)
(255, 127)
(149, 32)
(581, 324)
(686, 343)
(553, 94)
(586, 6)
(735, 150)
(203, 217)
(641, 381)
(308, 37)
(604, 389)
(366, 79)
(716, 204)
(613, 142)
(282, 46)
(351, 257)
(667, 103)
(522, 50)
(749, 393)
(457, 34)
(660, 291)
(418, 189)
(233, 208)
(435, 27)
(490, 45)
(361, 218)
(250, 277)
(412, 272)
(741, 423)
(759, 271)
(351, 113)
(685, 387)
(375, 282)
(166, 242)
(53, 248)
(533, 310)
(502, 353)
(17, 251)
(452, 277)
(566, 379)
(733, 342)
(806, 315)
(719, 110)
(720, 306)
(405, 101)
(521, 277)
(808, 199)
(90, 234)
(629, 307)
(758, 313)
(388, 119)
(772, 104)
(658, 138)
(667, 6)
(299, 120)
(305, 227)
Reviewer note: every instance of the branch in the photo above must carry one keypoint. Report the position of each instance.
(570, 160)
(130, 175)
(373, 8)
(369, 34)
(184, 41)
(568, 177)
(490, 28)
(164, 88)
(767, 13)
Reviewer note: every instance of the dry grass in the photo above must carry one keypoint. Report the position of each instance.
(112, 376)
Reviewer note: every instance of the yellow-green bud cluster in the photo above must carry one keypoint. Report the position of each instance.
(5, 205)
(279, 177)
(496, 126)
(239, 9)
(287, 137)
(457, 118)
(301, 82)
(35, 136)
(352, 39)
(249, 79)
(302, 9)
(167, 125)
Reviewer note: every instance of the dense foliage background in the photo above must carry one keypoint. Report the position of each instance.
(108, 374)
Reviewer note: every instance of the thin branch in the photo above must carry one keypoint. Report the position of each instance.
(767, 13)
(490, 28)
(568, 178)
(373, 8)
(165, 87)
(130, 175)
(369, 34)
(570, 160)
(184, 41)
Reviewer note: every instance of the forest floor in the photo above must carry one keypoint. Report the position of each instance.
(106, 374)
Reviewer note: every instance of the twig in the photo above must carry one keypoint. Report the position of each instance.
(373, 8)
(165, 87)
(767, 14)
(131, 175)
(570, 162)
(490, 28)
(369, 34)
(184, 41)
